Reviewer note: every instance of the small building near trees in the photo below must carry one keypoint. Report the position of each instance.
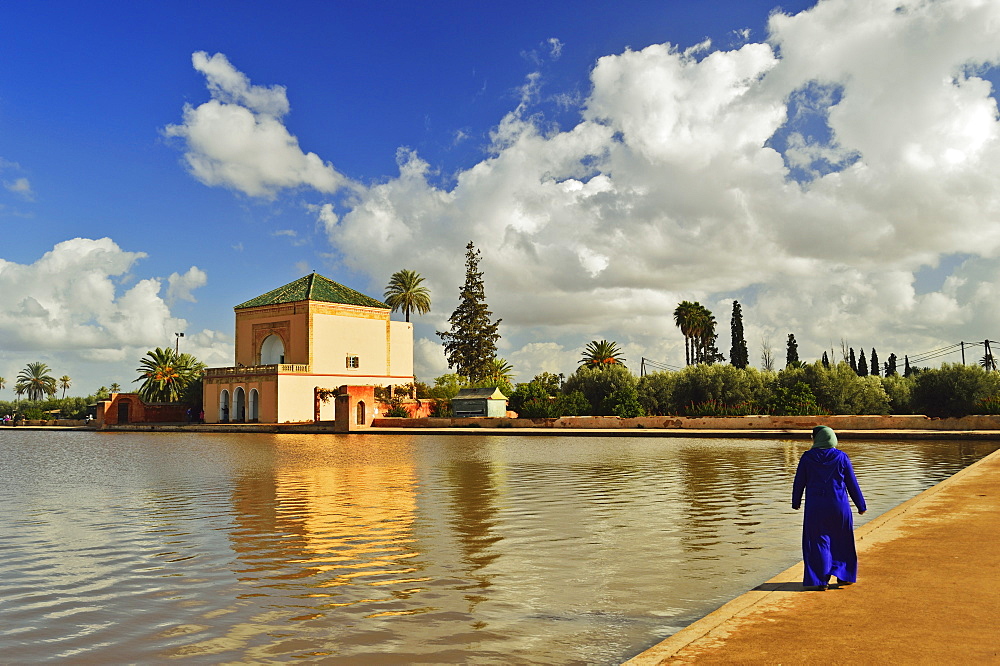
(479, 402)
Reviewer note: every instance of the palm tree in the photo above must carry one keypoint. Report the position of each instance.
(988, 362)
(3, 383)
(115, 387)
(684, 318)
(64, 383)
(164, 374)
(405, 293)
(498, 370)
(35, 381)
(602, 353)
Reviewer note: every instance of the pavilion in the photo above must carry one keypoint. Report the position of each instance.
(310, 334)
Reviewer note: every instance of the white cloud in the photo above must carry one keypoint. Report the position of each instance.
(20, 186)
(70, 310)
(179, 287)
(676, 183)
(238, 140)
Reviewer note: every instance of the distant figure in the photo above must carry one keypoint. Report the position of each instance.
(827, 477)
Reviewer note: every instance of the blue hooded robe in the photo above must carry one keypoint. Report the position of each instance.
(827, 477)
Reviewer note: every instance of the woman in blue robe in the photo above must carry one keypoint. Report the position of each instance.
(827, 477)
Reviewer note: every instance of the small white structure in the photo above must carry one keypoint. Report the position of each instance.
(479, 402)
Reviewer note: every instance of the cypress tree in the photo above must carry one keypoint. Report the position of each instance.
(890, 366)
(874, 363)
(470, 344)
(906, 366)
(853, 361)
(862, 365)
(792, 351)
(738, 354)
(826, 361)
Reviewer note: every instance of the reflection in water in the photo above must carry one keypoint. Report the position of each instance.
(373, 549)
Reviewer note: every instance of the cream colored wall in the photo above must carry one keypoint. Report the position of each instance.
(337, 336)
(401, 347)
(295, 399)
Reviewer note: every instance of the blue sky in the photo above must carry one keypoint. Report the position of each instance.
(832, 166)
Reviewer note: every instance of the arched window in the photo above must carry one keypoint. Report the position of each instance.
(240, 403)
(254, 405)
(224, 406)
(361, 412)
(272, 350)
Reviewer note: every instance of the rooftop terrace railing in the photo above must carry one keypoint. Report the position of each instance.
(271, 369)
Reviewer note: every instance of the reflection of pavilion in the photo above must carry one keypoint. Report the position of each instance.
(311, 333)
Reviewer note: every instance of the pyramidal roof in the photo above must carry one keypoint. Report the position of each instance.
(313, 287)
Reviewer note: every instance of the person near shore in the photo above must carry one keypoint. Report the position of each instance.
(826, 476)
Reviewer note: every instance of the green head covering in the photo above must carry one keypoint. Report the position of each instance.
(824, 438)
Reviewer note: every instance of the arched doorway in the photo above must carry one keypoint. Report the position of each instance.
(361, 412)
(240, 405)
(224, 406)
(123, 406)
(272, 350)
(254, 405)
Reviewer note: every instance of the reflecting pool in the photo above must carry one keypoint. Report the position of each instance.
(209, 548)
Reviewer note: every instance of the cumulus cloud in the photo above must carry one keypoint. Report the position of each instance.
(69, 300)
(811, 175)
(238, 139)
(179, 287)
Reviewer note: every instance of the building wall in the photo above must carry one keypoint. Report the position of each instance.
(139, 411)
(401, 350)
(339, 333)
(290, 322)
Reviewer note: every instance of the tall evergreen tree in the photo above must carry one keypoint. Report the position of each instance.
(738, 354)
(906, 366)
(890, 365)
(862, 365)
(792, 351)
(471, 343)
(853, 361)
(826, 361)
(874, 363)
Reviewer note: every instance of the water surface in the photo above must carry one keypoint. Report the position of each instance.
(211, 548)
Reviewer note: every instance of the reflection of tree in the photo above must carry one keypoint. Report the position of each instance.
(473, 517)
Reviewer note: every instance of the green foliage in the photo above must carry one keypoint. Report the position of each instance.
(862, 364)
(719, 408)
(35, 381)
(397, 410)
(795, 401)
(596, 383)
(470, 343)
(422, 390)
(406, 293)
(447, 386)
(498, 374)
(552, 382)
(623, 401)
(527, 392)
(724, 384)
(900, 391)
(165, 375)
(656, 392)
(697, 324)
(838, 390)
(602, 353)
(988, 405)
(738, 355)
(791, 351)
(953, 389)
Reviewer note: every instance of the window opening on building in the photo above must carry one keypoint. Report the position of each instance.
(353, 361)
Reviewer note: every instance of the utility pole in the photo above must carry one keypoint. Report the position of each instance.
(989, 355)
(963, 351)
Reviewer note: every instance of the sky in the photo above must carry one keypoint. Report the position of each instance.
(833, 166)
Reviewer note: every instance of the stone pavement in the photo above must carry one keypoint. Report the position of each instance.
(928, 592)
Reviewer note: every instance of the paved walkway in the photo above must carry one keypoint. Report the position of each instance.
(928, 592)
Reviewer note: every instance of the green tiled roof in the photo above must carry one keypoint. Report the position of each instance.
(313, 287)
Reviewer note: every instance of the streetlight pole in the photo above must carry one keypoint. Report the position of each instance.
(177, 343)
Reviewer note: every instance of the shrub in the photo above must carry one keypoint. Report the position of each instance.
(656, 391)
(796, 401)
(725, 384)
(988, 405)
(623, 401)
(953, 389)
(900, 392)
(397, 410)
(719, 408)
(598, 382)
